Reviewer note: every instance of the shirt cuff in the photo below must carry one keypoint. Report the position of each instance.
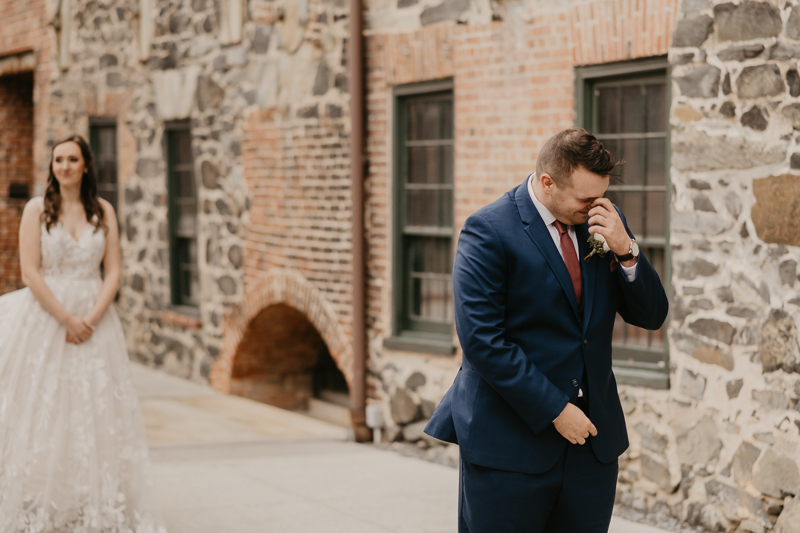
(630, 272)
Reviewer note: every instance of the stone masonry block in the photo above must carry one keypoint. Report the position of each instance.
(743, 461)
(746, 21)
(760, 81)
(700, 444)
(776, 213)
(776, 475)
(702, 82)
(693, 31)
(789, 519)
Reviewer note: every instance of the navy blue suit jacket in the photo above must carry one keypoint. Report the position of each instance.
(524, 340)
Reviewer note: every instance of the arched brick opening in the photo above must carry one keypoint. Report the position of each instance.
(275, 338)
(281, 360)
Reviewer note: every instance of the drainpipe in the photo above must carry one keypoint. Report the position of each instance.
(355, 68)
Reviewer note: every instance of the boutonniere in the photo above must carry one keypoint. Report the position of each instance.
(599, 246)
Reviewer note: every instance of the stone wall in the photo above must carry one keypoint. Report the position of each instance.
(720, 448)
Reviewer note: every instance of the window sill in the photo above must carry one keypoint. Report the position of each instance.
(427, 345)
(642, 377)
(188, 317)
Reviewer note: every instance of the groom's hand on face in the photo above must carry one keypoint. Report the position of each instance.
(605, 220)
(574, 425)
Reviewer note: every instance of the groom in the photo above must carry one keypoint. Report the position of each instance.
(534, 408)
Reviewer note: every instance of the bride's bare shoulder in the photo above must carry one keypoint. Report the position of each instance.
(34, 207)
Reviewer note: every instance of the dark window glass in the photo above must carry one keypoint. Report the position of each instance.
(182, 216)
(425, 205)
(629, 115)
(103, 140)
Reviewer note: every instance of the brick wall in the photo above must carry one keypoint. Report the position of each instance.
(24, 154)
(16, 166)
(513, 79)
(297, 254)
(513, 87)
(26, 27)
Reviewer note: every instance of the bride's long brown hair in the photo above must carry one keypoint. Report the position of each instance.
(89, 199)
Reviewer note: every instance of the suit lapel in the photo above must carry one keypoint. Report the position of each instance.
(588, 271)
(539, 234)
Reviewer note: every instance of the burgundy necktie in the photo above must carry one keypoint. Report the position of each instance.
(571, 260)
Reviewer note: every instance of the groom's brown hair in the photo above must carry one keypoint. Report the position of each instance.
(572, 148)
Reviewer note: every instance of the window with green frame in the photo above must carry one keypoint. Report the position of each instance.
(103, 140)
(182, 207)
(423, 245)
(626, 106)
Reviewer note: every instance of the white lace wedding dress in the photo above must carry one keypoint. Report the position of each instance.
(73, 455)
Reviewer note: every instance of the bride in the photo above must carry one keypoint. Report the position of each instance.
(73, 455)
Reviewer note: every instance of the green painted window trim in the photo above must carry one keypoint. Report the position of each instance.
(178, 273)
(647, 368)
(433, 338)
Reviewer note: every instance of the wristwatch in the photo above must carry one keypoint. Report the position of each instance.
(633, 253)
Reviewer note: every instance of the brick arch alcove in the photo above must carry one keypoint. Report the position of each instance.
(281, 328)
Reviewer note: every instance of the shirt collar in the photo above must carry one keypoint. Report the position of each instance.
(547, 216)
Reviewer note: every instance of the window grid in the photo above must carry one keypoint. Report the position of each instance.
(103, 140)
(182, 216)
(425, 187)
(629, 114)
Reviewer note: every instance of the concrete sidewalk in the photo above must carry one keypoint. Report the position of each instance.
(226, 464)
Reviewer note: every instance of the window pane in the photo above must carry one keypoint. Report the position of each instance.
(656, 161)
(188, 280)
(636, 337)
(430, 260)
(618, 336)
(447, 119)
(107, 137)
(430, 208)
(608, 110)
(656, 256)
(425, 164)
(656, 214)
(612, 146)
(184, 147)
(447, 164)
(422, 208)
(431, 299)
(431, 255)
(185, 182)
(187, 220)
(615, 197)
(656, 107)
(632, 169)
(632, 109)
(430, 120)
(633, 208)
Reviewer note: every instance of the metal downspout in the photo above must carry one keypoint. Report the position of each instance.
(355, 67)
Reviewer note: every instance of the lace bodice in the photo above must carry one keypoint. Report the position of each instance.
(65, 257)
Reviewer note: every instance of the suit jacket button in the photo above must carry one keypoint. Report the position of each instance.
(585, 341)
(575, 383)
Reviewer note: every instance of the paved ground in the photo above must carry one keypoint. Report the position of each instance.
(225, 464)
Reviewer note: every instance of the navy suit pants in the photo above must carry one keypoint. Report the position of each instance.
(575, 496)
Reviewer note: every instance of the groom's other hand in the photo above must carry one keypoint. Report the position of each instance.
(574, 425)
